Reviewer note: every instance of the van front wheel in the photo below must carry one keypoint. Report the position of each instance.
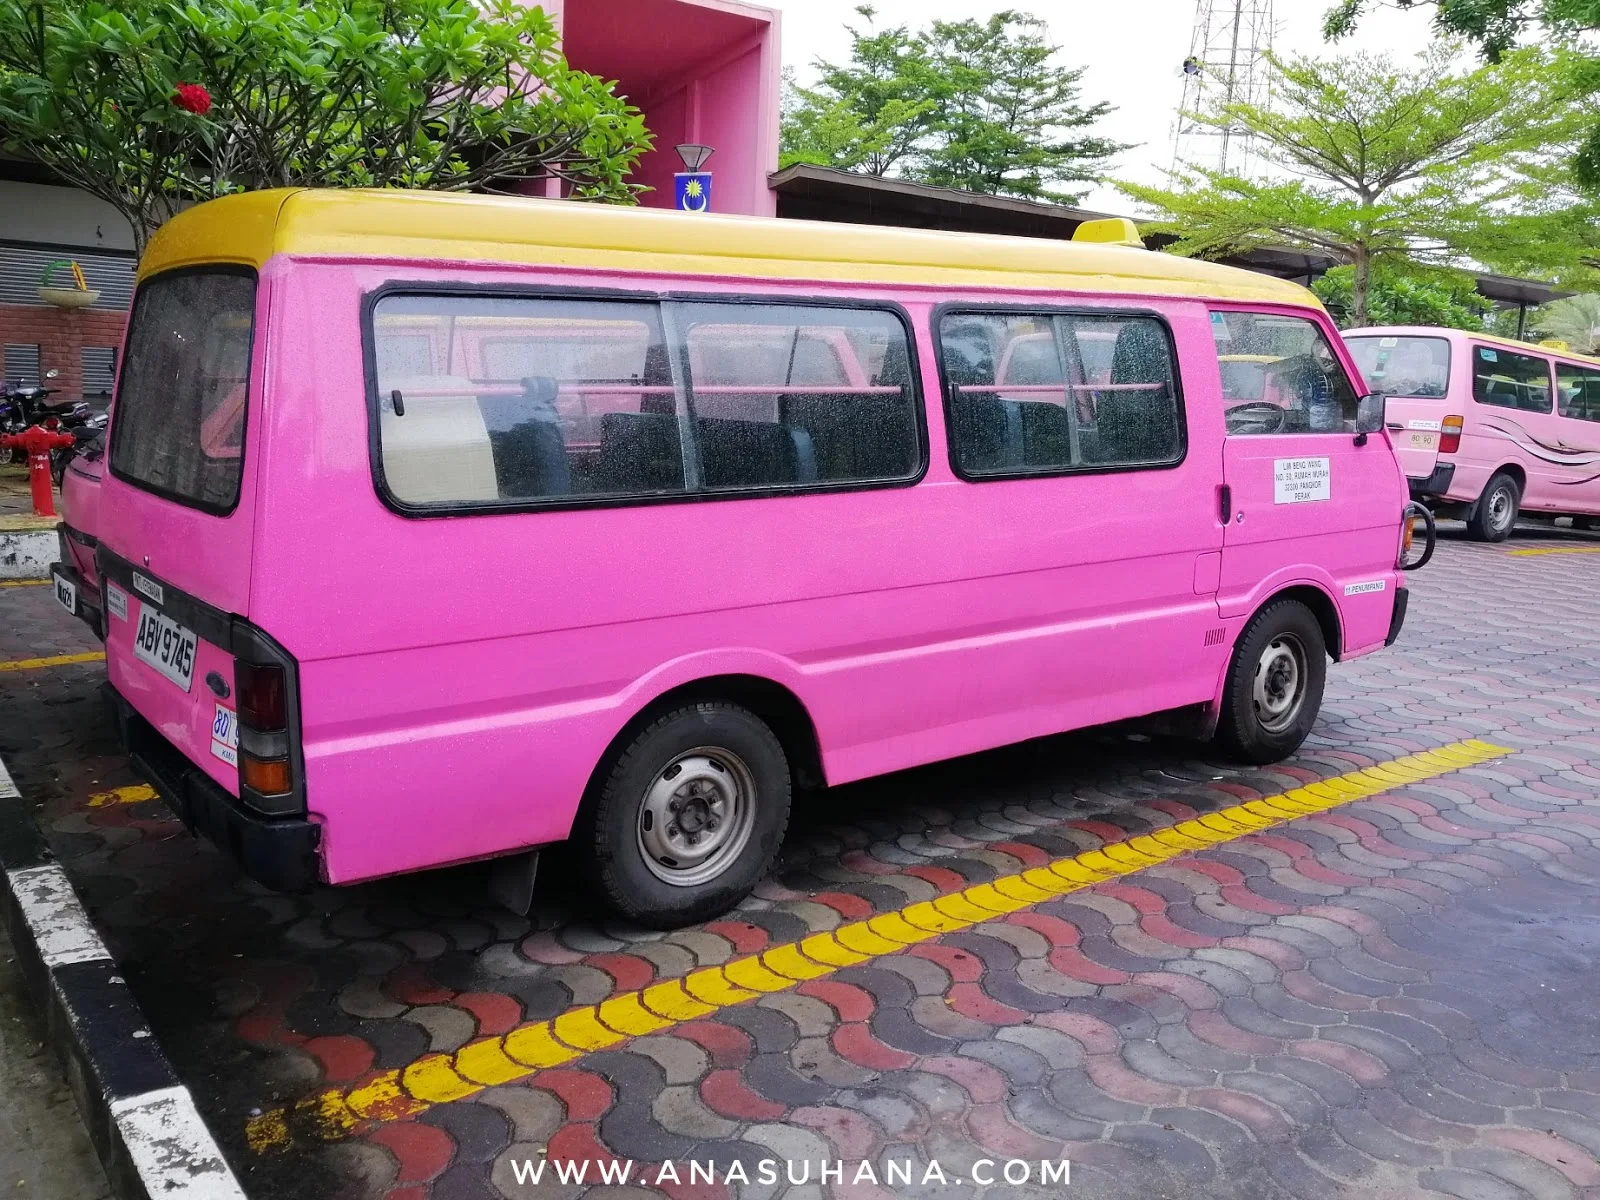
(690, 815)
(1496, 514)
(1274, 684)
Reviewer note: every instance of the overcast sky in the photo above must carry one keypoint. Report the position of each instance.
(1133, 50)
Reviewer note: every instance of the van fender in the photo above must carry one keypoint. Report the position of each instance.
(1238, 611)
(775, 687)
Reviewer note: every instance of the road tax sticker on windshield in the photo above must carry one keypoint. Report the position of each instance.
(1301, 480)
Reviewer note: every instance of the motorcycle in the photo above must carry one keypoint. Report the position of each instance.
(25, 405)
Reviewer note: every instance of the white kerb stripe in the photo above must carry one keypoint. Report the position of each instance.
(172, 1149)
(59, 924)
(8, 790)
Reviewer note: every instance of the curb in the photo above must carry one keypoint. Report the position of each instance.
(142, 1121)
(28, 553)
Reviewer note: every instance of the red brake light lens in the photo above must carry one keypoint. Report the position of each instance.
(1450, 435)
(262, 697)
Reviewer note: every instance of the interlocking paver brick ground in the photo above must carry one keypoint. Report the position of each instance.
(1393, 998)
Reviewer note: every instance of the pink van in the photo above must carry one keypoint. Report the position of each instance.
(1487, 427)
(444, 528)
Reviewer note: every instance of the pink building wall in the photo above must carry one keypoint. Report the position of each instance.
(703, 71)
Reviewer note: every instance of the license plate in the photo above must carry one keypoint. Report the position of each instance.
(165, 645)
(67, 595)
(1422, 441)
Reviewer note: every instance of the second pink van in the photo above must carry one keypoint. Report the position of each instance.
(1488, 428)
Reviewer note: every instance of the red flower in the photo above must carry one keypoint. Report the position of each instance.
(191, 97)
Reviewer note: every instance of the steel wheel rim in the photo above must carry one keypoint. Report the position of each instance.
(1280, 684)
(696, 816)
(1500, 508)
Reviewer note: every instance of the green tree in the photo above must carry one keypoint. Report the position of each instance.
(1575, 321)
(1377, 164)
(867, 114)
(977, 105)
(1007, 119)
(1400, 297)
(152, 104)
(1496, 26)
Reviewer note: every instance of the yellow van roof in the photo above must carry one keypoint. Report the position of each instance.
(249, 228)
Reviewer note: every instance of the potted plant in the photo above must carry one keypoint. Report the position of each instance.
(81, 295)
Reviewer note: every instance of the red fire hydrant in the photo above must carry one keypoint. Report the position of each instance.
(38, 442)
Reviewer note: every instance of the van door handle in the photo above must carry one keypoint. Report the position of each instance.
(1225, 496)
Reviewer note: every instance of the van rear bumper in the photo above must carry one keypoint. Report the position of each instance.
(87, 603)
(1435, 484)
(279, 853)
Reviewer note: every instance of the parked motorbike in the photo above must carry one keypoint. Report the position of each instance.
(24, 405)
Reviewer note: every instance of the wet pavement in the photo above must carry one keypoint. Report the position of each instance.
(1387, 996)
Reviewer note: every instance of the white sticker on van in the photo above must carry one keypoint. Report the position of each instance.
(116, 601)
(1372, 585)
(1434, 426)
(1301, 480)
(149, 587)
(1389, 342)
(225, 736)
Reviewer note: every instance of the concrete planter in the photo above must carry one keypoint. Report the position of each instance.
(68, 297)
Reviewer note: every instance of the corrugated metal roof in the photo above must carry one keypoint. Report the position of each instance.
(22, 266)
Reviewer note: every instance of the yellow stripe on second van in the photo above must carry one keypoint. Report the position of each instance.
(1554, 550)
(440, 1078)
(56, 660)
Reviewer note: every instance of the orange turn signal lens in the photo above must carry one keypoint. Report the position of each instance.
(269, 777)
(1410, 532)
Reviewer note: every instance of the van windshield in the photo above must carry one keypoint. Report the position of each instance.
(1403, 366)
(178, 427)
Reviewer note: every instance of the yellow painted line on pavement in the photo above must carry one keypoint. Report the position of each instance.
(56, 660)
(489, 1062)
(132, 794)
(1555, 550)
(11, 583)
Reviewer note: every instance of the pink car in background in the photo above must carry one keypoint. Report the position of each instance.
(443, 528)
(1486, 427)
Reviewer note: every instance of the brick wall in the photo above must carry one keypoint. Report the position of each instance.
(60, 333)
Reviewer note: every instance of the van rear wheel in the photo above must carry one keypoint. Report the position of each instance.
(1274, 685)
(690, 815)
(1496, 514)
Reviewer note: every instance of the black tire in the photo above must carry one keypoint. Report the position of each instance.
(1495, 514)
(731, 772)
(1258, 732)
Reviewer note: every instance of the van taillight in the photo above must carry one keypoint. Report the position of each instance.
(266, 688)
(261, 697)
(1450, 435)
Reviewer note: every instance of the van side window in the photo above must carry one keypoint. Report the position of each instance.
(792, 394)
(180, 407)
(509, 400)
(1507, 379)
(1578, 391)
(1280, 375)
(1043, 393)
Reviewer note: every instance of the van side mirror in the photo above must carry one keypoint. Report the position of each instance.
(1369, 416)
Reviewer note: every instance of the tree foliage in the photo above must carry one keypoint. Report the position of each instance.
(1404, 297)
(1575, 321)
(1377, 164)
(979, 105)
(447, 94)
(1496, 27)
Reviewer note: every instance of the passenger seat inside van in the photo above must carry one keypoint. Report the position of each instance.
(439, 451)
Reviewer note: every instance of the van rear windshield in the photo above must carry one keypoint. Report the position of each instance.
(1403, 366)
(178, 429)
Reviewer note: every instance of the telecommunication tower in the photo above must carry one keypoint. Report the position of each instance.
(1228, 62)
